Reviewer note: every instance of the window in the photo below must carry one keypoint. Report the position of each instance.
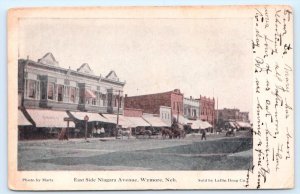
(103, 99)
(67, 91)
(72, 94)
(60, 93)
(115, 101)
(120, 101)
(31, 88)
(51, 91)
(44, 90)
(91, 97)
(94, 101)
(109, 101)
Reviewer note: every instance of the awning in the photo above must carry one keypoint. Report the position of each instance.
(182, 120)
(92, 116)
(89, 94)
(155, 121)
(22, 119)
(49, 118)
(198, 124)
(123, 121)
(232, 124)
(243, 124)
(138, 122)
(206, 125)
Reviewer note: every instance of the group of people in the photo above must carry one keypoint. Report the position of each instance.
(98, 132)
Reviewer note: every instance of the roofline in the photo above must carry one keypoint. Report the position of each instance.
(73, 71)
(154, 94)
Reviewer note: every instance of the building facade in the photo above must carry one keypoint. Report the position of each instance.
(191, 108)
(133, 112)
(207, 109)
(165, 114)
(244, 116)
(151, 103)
(44, 84)
(231, 115)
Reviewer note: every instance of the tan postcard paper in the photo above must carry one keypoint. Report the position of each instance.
(138, 98)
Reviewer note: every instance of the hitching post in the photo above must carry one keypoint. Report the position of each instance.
(118, 115)
(86, 118)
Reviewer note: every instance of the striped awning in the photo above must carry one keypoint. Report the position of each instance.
(123, 121)
(22, 121)
(138, 122)
(182, 120)
(243, 124)
(92, 116)
(198, 124)
(155, 121)
(89, 94)
(49, 118)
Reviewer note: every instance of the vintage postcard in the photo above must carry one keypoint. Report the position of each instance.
(137, 98)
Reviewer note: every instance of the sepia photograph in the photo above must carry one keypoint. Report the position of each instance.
(135, 94)
(151, 97)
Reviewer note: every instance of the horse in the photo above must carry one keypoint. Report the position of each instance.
(126, 132)
(178, 130)
(63, 134)
(144, 132)
(166, 132)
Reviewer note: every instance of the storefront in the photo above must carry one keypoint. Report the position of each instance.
(46, 124)
(97, 125)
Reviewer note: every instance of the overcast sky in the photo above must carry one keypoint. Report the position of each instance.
(211, 57)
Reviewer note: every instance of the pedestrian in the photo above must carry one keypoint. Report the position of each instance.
(203, 134)
(102, 132)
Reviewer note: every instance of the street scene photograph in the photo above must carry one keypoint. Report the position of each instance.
(135, 94)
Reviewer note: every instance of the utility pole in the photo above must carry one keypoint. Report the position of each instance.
(177, 112)
(86, 118)
(217, 111)
(118, 115)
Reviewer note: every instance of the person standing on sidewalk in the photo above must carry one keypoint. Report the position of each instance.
(203, 134)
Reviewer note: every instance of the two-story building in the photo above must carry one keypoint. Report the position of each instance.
(191, 108)
(207, 109)
(151, 103)
(44, 85)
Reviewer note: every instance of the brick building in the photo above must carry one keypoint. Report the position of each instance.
(133, 112)
(233, 114)
(151, 103)
(244, 116)
(207, 109)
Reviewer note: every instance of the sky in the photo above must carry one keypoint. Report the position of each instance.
(208, 57)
